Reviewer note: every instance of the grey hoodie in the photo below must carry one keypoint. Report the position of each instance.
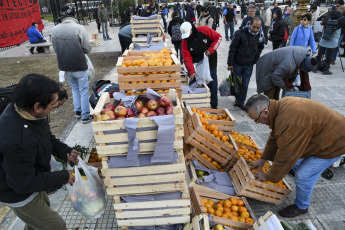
(278, 65)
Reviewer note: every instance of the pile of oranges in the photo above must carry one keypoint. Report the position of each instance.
(212, 161)
(232, 209)
(94, 158)
(265, 170)
(243, 139)
(248, 155)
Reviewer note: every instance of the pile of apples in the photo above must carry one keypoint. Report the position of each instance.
(149, 108)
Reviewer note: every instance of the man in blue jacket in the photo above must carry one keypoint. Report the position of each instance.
(35, 37)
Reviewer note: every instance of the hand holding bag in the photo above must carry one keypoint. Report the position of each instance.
(235, 84)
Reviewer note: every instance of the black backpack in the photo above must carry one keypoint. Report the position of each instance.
(330, 27)
(214, 25)
(5, 97)
(99, 87)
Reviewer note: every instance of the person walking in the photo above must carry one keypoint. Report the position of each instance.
(164, 14)
(278, 29)
(251, 14)
(267, 18)
(35, 36)
(198, 9)
(206, 19)
(303, 34)
(174, 30)
(307, 137)
(103, 19)
(196, 42)
(129, 13)
(95, 16)
(85, 16)
(243, 9)
(125, 36)
(71, 43)
(229, 18)
(245, 50)
(181, 13)
(288, 22)
(190, 15)
(214, 14)
(27, 145)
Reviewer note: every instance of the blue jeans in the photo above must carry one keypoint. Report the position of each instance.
(307, 172)
(213, 85)
(105, 30)
(245, 72)
(177, 48)
(227, 26)
(79, 83)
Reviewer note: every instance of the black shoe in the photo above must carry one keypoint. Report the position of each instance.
(109, 39)
(87, 120)
(78, 114)
(32, 50)
(292, 211)
(327, 72)
(227, 39)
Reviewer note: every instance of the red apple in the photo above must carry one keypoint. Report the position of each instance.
(164, 101)
(170, 109)
(111, 114)
(151, 114)
(139, 105)
(130, 112)
(162, 114)
(160, 110)
(144, 110)
(120, 118)
(104, 111)
(120, 111)
(152, 105)
(110, 107)
(141, 115)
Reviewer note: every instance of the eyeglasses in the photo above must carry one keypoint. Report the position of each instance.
(304, 19)
(257, 120)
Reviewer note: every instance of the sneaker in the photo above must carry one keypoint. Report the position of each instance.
(87, 120)
(327, 72)
(78, 114)
(109, 39)
(227, 39)
(332, 62)
(32, 50)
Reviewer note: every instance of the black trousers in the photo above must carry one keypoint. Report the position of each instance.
(39, 49)
(329, 55)
(276, 44)
(124, 42)
(98, 25)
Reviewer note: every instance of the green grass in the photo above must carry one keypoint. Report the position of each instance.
(48, 17)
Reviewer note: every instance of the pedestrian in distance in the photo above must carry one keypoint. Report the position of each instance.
(174, 30)
(341, 9)
(288, 22)
(129, 13)
(125, 36)
(190, 14)
(307, 137)
(164, 14)
(85, 16)
(245, 49)
(26, 147)
(251, 14)
(196, 42)
(71, 59)
(278, 29)
(103, 19)
(267, 18)
(214, 14)
(198, 9)
(181, 13)
(229, 18)
(206, 19)
(95, 16)
(243, 9)
(35, 36)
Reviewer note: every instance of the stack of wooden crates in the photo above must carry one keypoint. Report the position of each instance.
(144, 26)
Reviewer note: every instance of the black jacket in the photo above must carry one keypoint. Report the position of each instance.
(171, 24)
(245, 49)
(128, 14)
(277, 32)
(25, 151)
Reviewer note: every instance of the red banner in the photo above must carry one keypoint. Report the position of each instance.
(16, 17)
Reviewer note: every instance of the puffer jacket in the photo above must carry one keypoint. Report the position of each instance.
(33, 34)
(102, 14)
(71, 43)
(277, 32)
(301, 128)
(278, 65)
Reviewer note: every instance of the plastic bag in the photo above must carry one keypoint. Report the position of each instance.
(55, 165)
(224, 88)
(235, 84)
(202, 69)
(87, 194)
(61, 76)
(90, 69)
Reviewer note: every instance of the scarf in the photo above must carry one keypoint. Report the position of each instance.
(260, 32)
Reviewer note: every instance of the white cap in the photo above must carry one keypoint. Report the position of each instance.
(186, 27)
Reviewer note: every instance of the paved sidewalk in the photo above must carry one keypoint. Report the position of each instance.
(327, 210)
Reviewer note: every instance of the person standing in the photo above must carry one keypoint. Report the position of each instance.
(174, 28)
(103, 19)
(303, 34)
(205, 19)
(243, 9)
(267, 18)
(164, 14)
(85, 16)
(139, 9)
(198, 9)
(251, 14)
(71, 43)
(214, 14)
(278, 29)
(35, 37)
(95, 16)
(288, 22)
(313, 11)
(197, 42)
(129, 13)
(26, 147)
(229, 18)
(279, 68)
(341, 9)
(245, 50)
(181, 13)
(307, 137)
(190, 15)
(125, 36)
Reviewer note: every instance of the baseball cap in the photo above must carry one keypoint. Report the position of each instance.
(186, 27)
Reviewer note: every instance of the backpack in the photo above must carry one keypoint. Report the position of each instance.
(176, 33)
(5, 97)
(330, 27)
(214, 25)
(99, 87)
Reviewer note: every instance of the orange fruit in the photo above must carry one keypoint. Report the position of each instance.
(215, 133)
(218, 213)
(233, 200)
(227, 209)
(227, 204)
(245, 214)
(235, 218)
(208, 205)
(204, 155)
(234, 213)
(241, 219)
(242, 209)
(234, 208)
(221, 202)
(210, 202)
(240, 202)
(249, 221)
(212, 127)
(210, 159)
(220, 134)
(211, 211)
(219, 205)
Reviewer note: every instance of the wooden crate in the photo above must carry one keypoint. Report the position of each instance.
(201, 100)
(246, 185)
(190, 152)
(142, 26)
(139, 54)
(225, 126)
(196, 194)
(94, 164)
(208, 144)
(184, 76)
(166, 209)
(261, 222)
(119, 140)
(199, 222)
(248, 147)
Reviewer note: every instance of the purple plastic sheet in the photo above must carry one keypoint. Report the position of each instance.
(133, 142)
(157, 46)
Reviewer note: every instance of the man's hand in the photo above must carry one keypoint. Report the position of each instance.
(71, 177)
(72, 157)
(192, 76)
(260, 176)
(259, 164)
(207, 53)
(230, 67)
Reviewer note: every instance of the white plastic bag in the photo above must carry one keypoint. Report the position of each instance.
(87, 194)
(90, 69)
(62, 76)
(202, 69)
(55, 165)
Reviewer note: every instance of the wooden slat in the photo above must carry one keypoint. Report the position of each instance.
(154, 213)
(152, 204)
(154, 222)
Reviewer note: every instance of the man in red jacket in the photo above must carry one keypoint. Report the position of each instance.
(197, 42)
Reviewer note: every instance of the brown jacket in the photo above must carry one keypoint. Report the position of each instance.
(301, 128)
